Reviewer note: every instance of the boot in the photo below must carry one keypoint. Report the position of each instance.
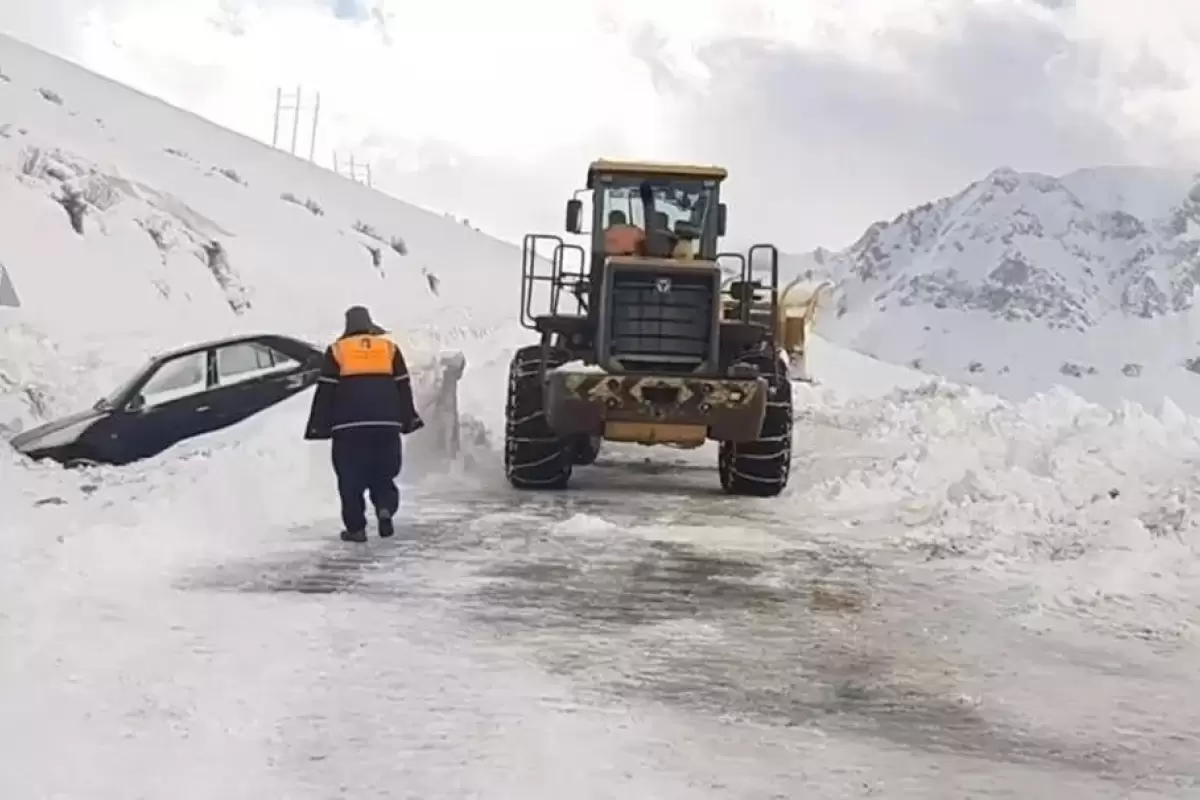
(386, 526)
(354, 536)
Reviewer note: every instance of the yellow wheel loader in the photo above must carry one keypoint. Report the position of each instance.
(640, 340)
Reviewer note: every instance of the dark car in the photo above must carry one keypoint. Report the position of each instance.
(179, 395)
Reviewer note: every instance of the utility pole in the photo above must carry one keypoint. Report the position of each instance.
(278, 106)
(312, 143)
(296, 120)
(353, 169)
(293, 103)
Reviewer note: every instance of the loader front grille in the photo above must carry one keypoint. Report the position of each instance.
(661, 322)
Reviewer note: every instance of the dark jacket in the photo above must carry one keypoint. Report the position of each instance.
(363, 383)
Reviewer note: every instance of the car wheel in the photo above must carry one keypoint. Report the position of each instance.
(82, 459)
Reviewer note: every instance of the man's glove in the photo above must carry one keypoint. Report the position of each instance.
(414, 424)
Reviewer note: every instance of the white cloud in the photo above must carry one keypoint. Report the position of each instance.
(494, 79)
(831, 115)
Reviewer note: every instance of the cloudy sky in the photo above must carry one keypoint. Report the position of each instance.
(830, 113)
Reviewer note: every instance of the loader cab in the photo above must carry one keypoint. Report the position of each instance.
(641, 209)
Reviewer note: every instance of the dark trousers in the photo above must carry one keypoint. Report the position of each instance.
(366, 460)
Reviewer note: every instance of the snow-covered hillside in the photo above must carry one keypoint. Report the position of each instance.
(1023, 281)
(187, 231)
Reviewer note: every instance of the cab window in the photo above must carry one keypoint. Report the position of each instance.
(248, 360)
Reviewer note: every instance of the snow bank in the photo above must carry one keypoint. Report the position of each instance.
(208, 499)
(847, 373)
(187, 231)
(1083, 505)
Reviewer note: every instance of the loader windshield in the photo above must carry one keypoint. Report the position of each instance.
(670, 203)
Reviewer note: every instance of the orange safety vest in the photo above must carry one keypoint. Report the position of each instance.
(364, 355)
(623, 240)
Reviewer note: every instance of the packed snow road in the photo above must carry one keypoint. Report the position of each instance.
(714, 653)
(638, 636)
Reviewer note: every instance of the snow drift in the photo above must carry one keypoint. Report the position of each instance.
(1086, 510)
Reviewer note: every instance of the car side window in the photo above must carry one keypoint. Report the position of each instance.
(179, 377)
(239, 362)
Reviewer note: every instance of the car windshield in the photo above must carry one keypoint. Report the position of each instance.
(110, 400)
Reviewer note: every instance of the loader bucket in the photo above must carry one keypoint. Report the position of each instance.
(798, 307)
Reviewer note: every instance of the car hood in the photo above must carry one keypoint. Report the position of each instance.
(35, 436)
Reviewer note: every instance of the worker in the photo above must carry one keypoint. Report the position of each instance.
(621, 238)
(364, 403)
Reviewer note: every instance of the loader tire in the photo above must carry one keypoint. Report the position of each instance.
(534, 456)
(760, 468)
(586, 450)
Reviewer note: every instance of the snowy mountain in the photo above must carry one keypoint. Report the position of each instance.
(131, 226)
(1023, 281)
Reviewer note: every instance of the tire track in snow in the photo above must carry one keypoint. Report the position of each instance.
(719, 608)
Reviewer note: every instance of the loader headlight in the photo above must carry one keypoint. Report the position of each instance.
(736, 395)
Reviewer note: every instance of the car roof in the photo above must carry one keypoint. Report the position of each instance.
(226, 341)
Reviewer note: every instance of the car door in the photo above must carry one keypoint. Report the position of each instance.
(172, 405)
(250, 377)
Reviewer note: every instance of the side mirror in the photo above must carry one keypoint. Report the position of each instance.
(136, 403)
(721, 219)
(574, 213)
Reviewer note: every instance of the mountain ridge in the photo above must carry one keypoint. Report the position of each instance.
(1095, 270)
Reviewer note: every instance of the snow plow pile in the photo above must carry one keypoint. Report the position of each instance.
(657, 349)
(435, 387)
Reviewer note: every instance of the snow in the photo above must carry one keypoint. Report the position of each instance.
(1057, 491)
(578, 366)
(639, 635)
(852, 374)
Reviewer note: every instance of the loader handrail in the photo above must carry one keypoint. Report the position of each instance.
(559, 276)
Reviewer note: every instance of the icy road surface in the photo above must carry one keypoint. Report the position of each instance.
(640, 636)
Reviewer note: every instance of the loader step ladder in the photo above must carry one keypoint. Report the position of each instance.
(763, 307)
(562, 274)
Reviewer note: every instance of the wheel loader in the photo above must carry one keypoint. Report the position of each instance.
(642, 339)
